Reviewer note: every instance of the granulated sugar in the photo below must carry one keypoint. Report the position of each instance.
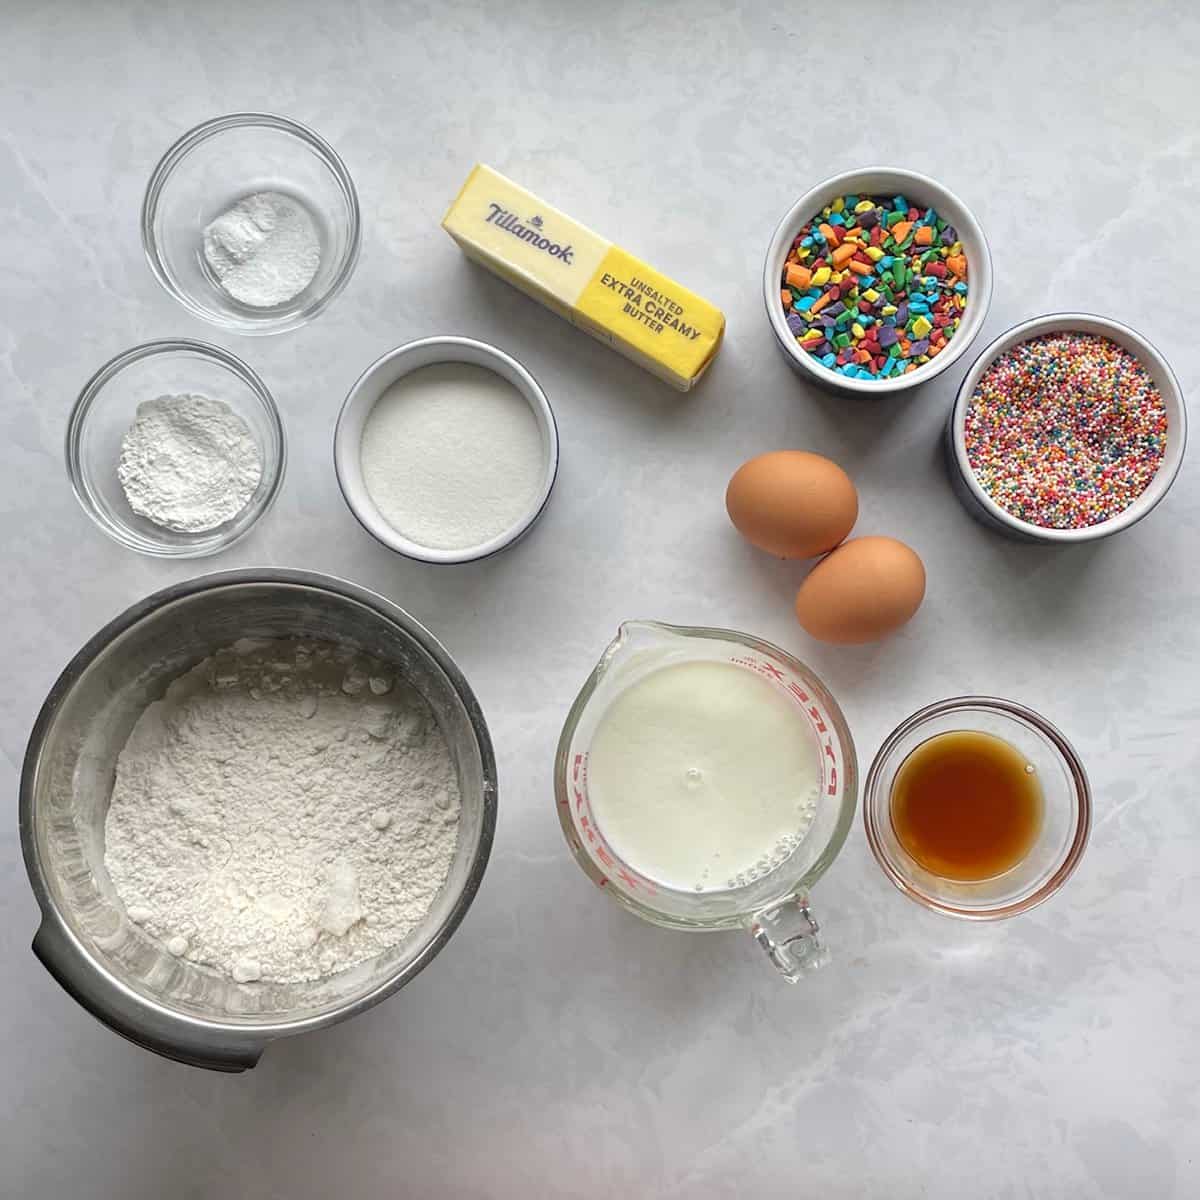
(452, 456)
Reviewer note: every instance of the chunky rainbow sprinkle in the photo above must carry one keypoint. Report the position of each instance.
(1065, 430)
(874, 286)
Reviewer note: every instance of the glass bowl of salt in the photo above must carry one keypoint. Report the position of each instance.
(251, 221)
(175, 448)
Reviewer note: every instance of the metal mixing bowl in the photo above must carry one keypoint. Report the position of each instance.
(107, 963)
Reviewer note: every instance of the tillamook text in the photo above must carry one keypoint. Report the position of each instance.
(531, 233)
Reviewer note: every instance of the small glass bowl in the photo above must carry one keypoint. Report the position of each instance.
(1066, 816)
(217, 164)
(107, 407)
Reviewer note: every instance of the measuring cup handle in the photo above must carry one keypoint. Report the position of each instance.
(791, 937)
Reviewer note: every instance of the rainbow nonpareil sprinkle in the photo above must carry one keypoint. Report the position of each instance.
(1065, 430)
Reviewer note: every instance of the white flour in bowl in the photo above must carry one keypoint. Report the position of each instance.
(288, 809)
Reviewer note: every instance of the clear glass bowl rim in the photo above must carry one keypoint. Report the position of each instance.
(1079, 786)
(96, 384)
(183, 146)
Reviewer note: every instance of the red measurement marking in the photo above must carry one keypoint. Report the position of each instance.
(832, 789)
(579, 800)
(815, 713)
(625, 877)
(603, 855)
(798, 692)
(773, 671)
(575, 767)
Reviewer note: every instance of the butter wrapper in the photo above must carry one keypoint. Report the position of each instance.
(595, 285)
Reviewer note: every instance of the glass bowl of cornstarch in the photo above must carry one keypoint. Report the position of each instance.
(251, 221)
(175, 448)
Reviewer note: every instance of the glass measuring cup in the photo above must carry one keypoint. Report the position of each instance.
(773, 906)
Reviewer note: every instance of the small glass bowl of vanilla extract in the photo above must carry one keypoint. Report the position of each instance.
(977, 807)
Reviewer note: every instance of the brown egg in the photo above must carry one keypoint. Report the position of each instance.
(791, 503)
(862, 591)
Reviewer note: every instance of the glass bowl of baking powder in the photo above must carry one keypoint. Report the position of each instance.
(175, 448)
(251, 221)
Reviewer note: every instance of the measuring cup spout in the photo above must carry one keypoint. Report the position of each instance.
(791, 937)
(634, 637)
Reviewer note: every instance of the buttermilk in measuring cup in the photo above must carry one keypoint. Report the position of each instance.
(698, 777)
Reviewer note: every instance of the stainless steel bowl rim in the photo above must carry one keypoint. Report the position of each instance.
(256, 1034)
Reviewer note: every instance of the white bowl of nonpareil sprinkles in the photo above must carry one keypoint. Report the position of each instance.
(446, 450)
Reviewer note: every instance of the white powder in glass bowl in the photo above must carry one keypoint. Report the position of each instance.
(264, 250)
(188, 463)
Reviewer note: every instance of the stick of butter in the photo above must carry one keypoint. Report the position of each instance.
(595, 285)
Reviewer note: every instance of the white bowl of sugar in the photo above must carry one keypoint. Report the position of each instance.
(446, 450)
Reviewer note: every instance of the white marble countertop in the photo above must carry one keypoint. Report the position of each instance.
(559, 1046)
